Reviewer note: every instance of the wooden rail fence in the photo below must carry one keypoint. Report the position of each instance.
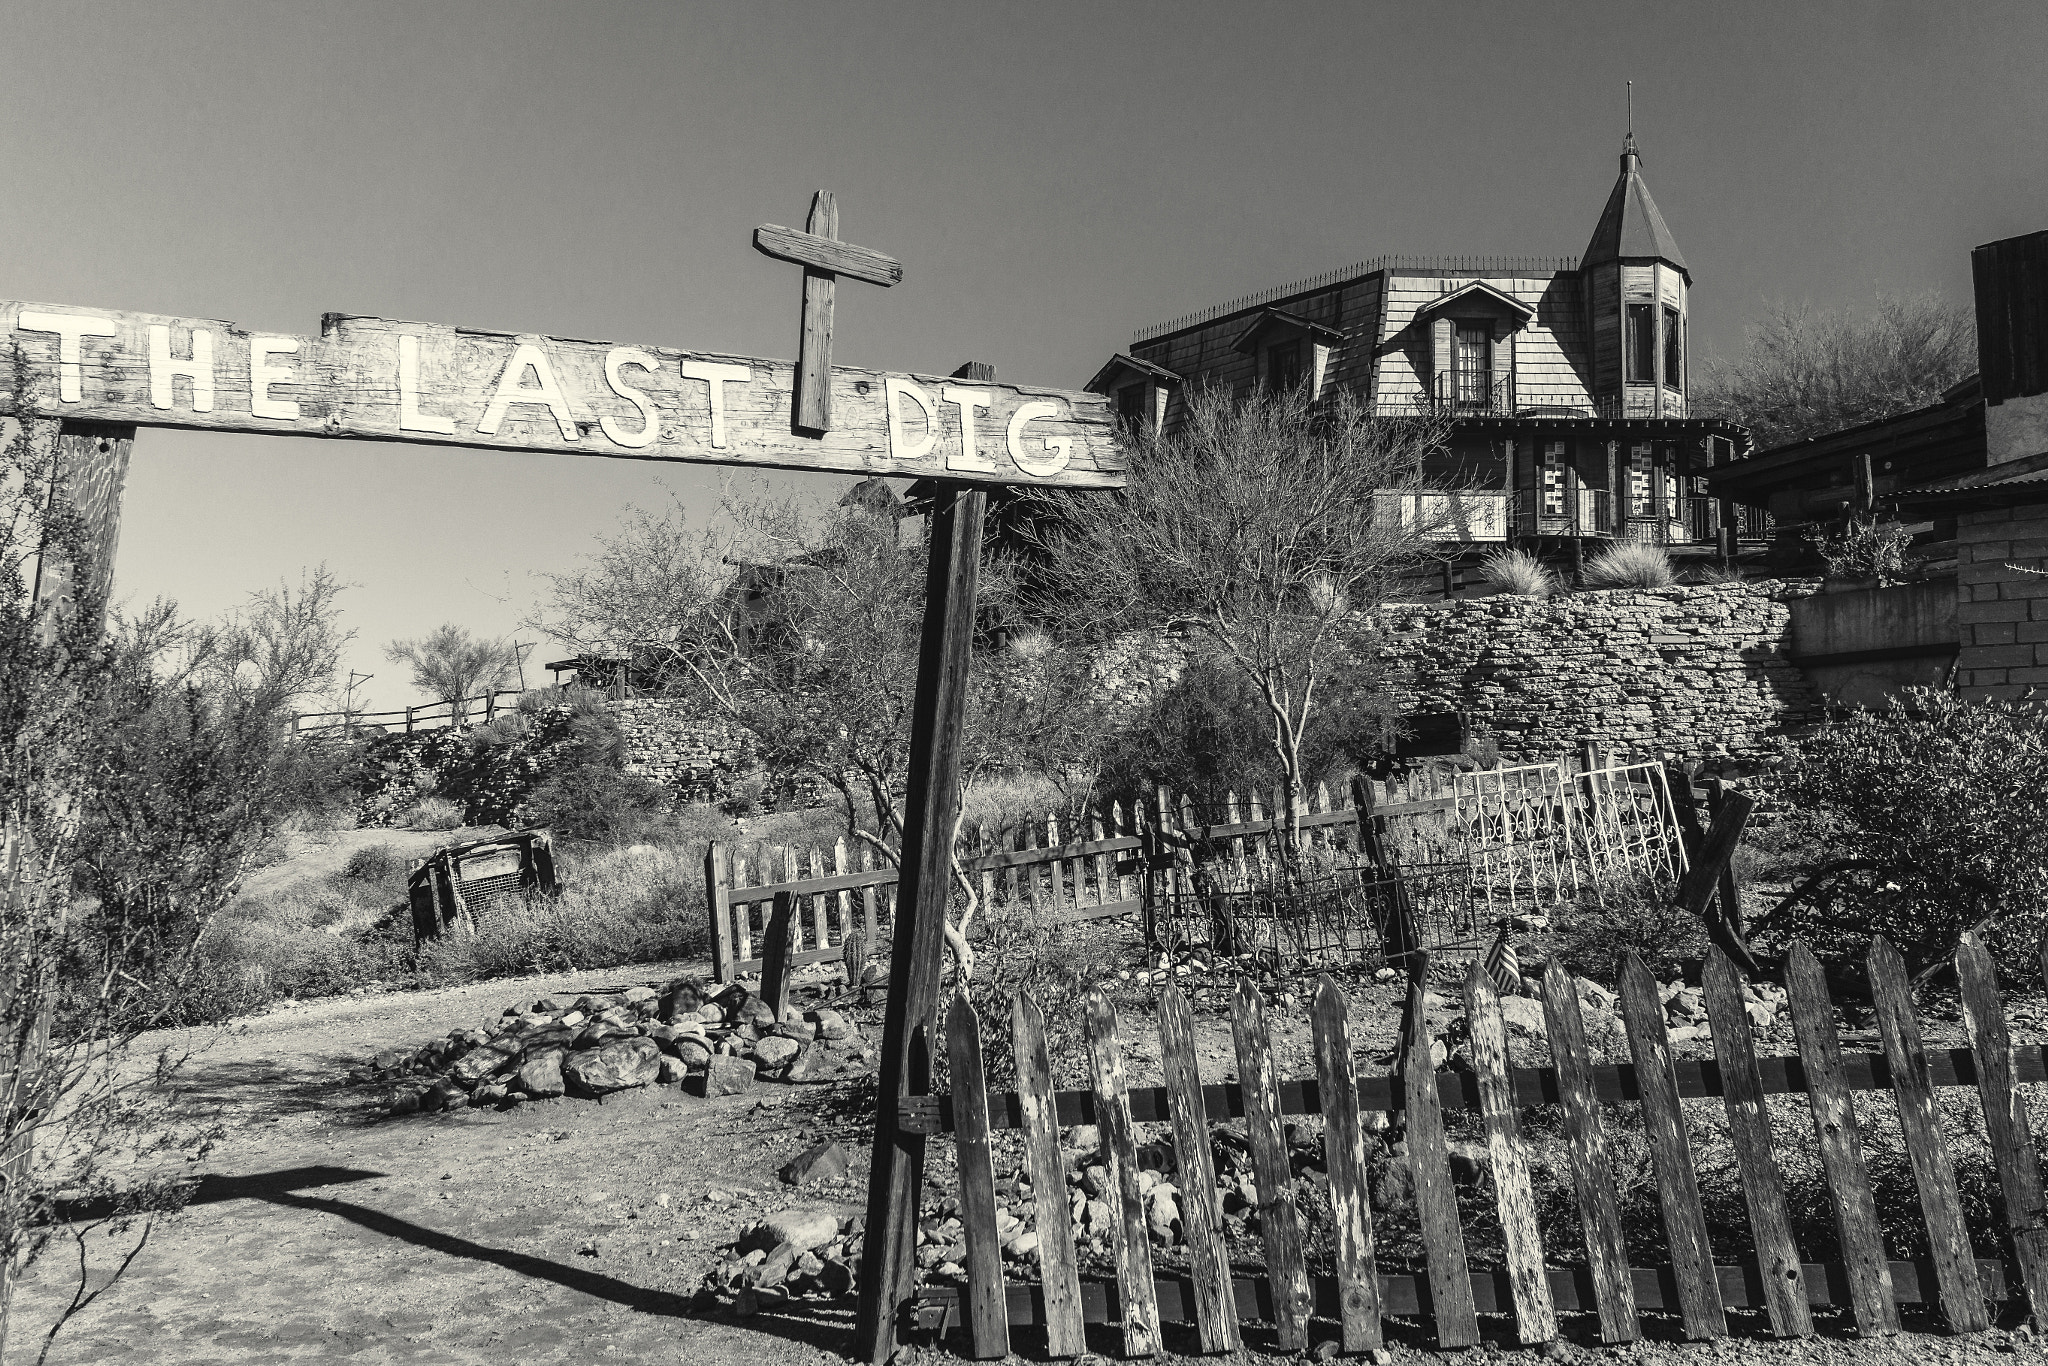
(1215, 1297)
(426, 716)
(1528, 833)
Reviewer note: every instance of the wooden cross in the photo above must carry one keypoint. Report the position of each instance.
(824, 258)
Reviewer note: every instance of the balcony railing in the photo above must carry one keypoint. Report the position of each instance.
(1702, 520)
(1481, 394)
(1460, 396)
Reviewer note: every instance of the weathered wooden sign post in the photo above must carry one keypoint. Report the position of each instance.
(97, 374)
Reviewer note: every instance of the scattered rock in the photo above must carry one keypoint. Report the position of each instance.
(540, 1076)
(803, 1228)
(1524, 1014)
(615, 1066)
(727, 1075)
(775, 1051)
(825, 1161)
(672, 1071)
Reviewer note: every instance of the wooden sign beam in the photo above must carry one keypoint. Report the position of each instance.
(376, 379)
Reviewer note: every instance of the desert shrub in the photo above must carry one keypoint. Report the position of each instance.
(1632, 564)
(1518, 571)
(1210, 731)
(1863, 549)
(1620, 917)
(1945, 796)
(374, 863)
(432, 813)
(592, 802)
(1020, 950)
(1711, 574)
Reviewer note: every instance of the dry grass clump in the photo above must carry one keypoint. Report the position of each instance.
(431, 813)
(1633, 564)
(1518, 571)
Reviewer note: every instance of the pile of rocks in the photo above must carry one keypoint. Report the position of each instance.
(800, 1253)
(602, 1043)
(1685, 1008)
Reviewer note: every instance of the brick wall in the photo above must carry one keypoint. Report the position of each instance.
(2002, 613)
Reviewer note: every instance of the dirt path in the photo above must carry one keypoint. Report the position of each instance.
(559, 1231)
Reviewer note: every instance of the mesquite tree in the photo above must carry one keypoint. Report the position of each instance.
(1259, 525)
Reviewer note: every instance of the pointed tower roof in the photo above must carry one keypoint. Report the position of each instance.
(1630, 227)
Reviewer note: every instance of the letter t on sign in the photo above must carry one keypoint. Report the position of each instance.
(824, 259)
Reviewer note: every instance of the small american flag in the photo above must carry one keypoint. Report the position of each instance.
(1503, 965)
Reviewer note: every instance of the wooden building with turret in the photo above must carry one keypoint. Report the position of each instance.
(1567, 382)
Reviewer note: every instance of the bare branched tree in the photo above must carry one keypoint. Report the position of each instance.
(1258, 525)
(800, 628)
(1806, 372)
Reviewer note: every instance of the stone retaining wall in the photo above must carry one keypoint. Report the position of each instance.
(1698, 671)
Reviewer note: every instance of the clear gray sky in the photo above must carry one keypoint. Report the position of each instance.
(1051, 175)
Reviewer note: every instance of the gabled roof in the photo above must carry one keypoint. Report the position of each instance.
(1105, 378)
(1630, 227)
(1274, 320)
(1483, 296)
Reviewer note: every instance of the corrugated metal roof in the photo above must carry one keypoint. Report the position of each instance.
(1630, 226)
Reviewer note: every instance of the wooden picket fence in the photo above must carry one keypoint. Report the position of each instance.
(1215, 1297)
(1529, 834)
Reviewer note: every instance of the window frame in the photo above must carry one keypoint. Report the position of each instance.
(1674, 349)
(1298, 364)
(1639, 343)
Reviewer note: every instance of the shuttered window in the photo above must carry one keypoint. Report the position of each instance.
(1641, 491)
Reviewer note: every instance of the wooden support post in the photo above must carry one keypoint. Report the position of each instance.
(718, 905)
(932, 801)
(1404, 941)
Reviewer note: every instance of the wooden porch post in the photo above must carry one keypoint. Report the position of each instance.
(888, 1259)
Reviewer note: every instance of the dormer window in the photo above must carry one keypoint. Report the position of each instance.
(1290, 351)
(1283, 365)
(1139, 389)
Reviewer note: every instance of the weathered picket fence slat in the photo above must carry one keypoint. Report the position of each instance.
(1436, 1200)
(1358, 1276)
(1678, 1187)
(1279, 1219)
(1058, 1275)
(1592, 1173)
(1955, 1269)
(1840, 1140)
(1448, 1293)
(1140, 1308)
(1201, 1213)
(988, 1317)
(2005, 1118)
(1535, 1315)
(1749, 1133)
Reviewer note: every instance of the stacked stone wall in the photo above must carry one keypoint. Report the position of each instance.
(696, 756)
(1699, 672)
